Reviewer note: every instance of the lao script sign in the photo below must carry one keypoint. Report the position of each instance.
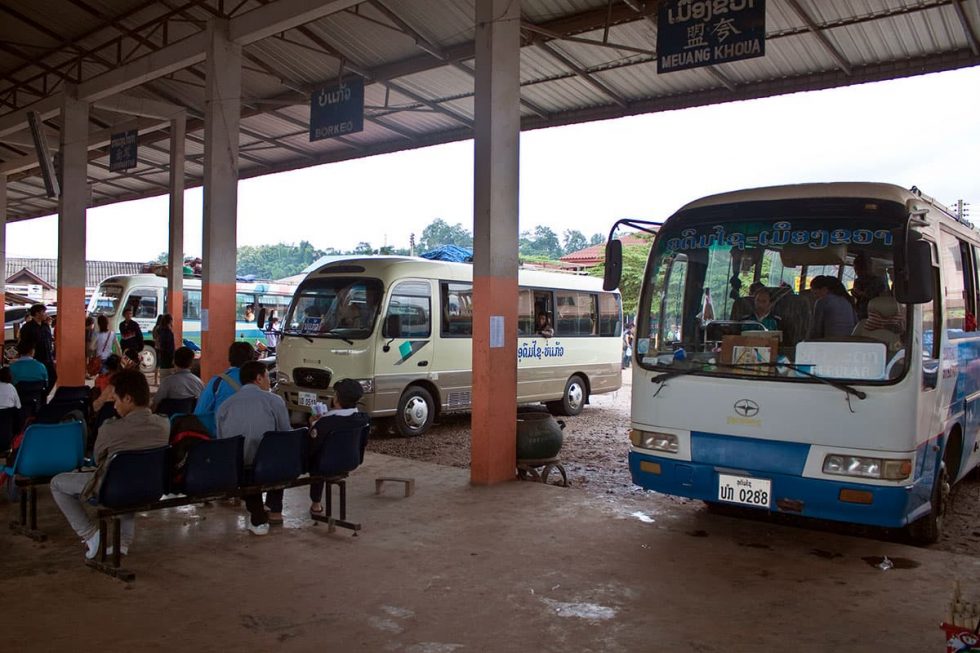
(337, 110)
(122, 150)
(695, 33)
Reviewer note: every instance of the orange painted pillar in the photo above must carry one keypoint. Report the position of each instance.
(69, 344)
(495, 232)
(221, 117)
(175, 257)
(3, 240)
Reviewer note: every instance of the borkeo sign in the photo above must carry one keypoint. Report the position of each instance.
(337, 110)
(695, 33)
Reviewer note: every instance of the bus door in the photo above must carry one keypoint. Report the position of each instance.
(454, 355)
(146, 303)
(406, 347)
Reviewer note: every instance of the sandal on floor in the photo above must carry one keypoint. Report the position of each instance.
(273, 520)
(317, 513)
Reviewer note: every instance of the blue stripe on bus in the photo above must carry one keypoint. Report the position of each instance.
(781, 463)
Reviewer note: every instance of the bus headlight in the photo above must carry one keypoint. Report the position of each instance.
(862, 466)
(657, 441)
(367, 385)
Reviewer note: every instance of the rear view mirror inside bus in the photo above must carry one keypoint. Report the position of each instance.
(914, 279)
(614, 265)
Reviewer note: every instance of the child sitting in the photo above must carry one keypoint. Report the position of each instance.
(342, 433)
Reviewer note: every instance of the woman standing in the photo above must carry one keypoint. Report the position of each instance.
(163, 337)
(104, 339)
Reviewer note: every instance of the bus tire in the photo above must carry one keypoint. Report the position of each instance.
(573, 399)
(148, 359)
(928, 529)
(416, 411)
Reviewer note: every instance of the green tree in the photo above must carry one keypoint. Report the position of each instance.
(597, 239)
(363, 249)
(540, 242)
(276, 261)
(634, 262)
(573, 241)
(439, 233)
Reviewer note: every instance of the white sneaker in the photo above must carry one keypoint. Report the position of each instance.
(261, 529)
(92, 546)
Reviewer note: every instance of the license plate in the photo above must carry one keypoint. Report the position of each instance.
(307, 399)
(744, 490)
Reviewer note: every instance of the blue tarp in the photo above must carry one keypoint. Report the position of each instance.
(450, 253)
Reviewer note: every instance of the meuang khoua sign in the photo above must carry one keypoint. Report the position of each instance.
(694, 33)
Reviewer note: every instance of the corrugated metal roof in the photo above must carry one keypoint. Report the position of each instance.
(581, 60)
(95, 271)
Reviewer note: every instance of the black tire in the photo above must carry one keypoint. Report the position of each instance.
(573, 399)
(416, 411)
(928, 529)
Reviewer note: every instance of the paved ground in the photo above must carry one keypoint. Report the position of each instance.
(519, 566)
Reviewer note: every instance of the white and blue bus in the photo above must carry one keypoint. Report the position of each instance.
(867, 417)
(146, 294)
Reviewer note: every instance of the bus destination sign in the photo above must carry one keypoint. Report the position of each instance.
(696, 33)
(122, 150)
(337, 110)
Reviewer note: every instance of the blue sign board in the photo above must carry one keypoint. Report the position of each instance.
(122, 150)
(337, 110)
(695, 33)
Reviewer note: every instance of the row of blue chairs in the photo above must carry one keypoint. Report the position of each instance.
(140, 481)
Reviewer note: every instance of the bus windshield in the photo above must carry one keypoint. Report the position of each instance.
(786, 296)
(335, 307)
(105, 301)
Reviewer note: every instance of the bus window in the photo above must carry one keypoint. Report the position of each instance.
(457, 309)
(576, 313)
(609, 312)
(953, 282)
(525, 312)
(410, 308)
(673, 310)
(543, 305)
(245, 307)
(143, 301)
(192, 304)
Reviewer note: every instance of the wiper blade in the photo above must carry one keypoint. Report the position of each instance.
(682, 371)
(301, 335)
(332, 333)
(843, 387)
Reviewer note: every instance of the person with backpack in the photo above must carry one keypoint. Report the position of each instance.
(222, 386)
(252, 412)
(341, 425)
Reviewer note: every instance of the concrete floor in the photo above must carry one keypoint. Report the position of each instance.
(519, 566)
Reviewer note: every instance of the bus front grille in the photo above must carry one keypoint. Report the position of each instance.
(309, 377)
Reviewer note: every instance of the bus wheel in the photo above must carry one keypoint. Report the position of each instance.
(148, 359)
(416, 410)
(928, 529)
(573, 399)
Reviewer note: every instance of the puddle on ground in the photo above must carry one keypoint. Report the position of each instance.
(897, 563)
(829, 555)
(643, 517)
(582, 610)
(698, 533)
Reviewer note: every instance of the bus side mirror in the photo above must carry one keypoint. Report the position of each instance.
(914, 281)
(614, 265)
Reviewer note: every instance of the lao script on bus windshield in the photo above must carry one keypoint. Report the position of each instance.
(776, 294)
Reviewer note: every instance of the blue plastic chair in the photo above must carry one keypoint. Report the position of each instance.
(46, 450)
(171, 406)
(134, 478)
(213, 467)
(341, 452)
(279, 458)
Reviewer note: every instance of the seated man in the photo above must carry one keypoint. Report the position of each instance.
(343, 420)
(182, 384)
(543, 325)
(762, 313)
(137, 428)
(251, 412)
(25, 367)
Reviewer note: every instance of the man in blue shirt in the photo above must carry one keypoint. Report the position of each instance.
(252, 412)
(224, 385)
(26, 368)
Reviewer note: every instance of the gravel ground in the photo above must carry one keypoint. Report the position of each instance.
(594, 454)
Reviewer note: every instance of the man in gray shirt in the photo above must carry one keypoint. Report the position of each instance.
(253, 411)
(182, 384)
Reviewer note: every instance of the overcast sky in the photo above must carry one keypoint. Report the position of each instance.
(920, 131)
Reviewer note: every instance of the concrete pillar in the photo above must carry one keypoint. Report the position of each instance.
(3, 239)
(175, 257)
(495, 232)
(221, 117)
(70, 331)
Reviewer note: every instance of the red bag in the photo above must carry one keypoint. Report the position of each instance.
(93, 366)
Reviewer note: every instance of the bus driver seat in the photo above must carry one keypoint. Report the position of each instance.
(884, 323)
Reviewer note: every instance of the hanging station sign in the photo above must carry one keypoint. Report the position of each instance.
(695, 33)
(337, 110)
(122, 150)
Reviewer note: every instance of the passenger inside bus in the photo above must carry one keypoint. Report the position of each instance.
(762, 315)
(867, 284)
(543, 325)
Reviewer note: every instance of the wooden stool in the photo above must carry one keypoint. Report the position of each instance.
(409, 484)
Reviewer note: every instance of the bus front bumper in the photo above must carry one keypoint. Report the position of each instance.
(873, 505)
